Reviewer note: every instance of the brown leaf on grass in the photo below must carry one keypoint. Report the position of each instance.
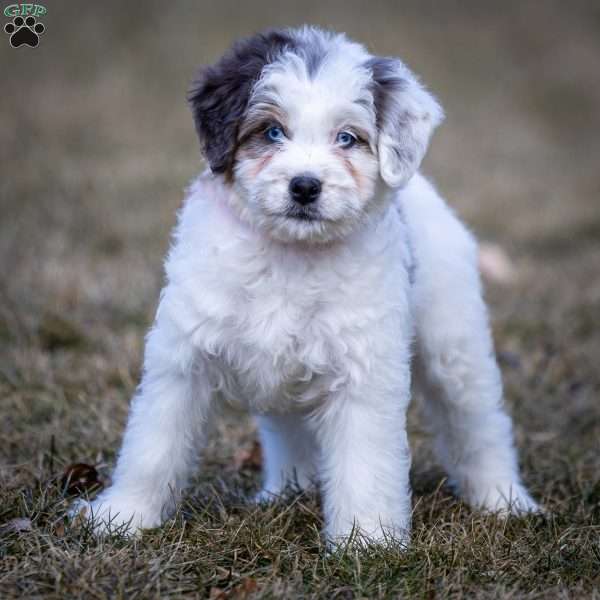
(248, 458)
(18, 524)
(59, 530)
(243, 590)
(80, 478)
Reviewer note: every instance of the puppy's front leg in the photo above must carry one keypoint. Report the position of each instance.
(160, 445)
(364, 465)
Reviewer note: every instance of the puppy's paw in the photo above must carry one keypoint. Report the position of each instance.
(112, 514)
(266, 497)
(505, 499)
(369, 535)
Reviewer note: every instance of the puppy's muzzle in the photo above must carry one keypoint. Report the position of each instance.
(305, 189)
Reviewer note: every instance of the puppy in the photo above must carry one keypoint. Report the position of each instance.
(307, 264)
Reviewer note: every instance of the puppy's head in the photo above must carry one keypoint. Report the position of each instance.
(306, 125)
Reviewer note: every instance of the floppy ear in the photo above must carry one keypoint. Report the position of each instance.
(219, 95)
(407, 114)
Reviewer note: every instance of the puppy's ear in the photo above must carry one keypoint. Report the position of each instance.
(219, 95)
(406, 116)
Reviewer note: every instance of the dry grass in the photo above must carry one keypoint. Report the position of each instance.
(97, 145)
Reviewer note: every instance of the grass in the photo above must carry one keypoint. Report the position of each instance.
(97, 146)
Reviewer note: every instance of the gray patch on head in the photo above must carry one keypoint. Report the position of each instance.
(219, 96)
(386, 83)
(312, 45)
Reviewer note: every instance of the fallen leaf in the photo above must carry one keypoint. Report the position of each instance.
(241, 591)
(247, 586)
(80, 478)
(248, 458)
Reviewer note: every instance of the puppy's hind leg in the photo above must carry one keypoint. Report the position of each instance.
(456, 365)
(288, 454)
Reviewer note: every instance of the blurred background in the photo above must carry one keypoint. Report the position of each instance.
(98, 145)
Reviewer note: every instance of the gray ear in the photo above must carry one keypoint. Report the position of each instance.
(407, 114)
(219, 96)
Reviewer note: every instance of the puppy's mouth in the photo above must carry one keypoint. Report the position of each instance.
(303, 213)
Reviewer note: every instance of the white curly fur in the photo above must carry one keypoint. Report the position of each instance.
(311, 326)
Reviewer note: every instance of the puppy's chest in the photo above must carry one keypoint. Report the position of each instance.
(289, 333)
(284, 329)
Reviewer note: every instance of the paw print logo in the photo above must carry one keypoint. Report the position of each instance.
(24, 31)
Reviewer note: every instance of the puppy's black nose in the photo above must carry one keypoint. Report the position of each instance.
(305, 189)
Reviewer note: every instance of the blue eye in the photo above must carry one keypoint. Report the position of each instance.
(346, 139)
(274, 134)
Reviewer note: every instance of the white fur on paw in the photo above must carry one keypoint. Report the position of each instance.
(372, 534)
(266, 497)
(111, 514)
(506, 499)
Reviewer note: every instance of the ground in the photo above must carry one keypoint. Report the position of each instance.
(98, 145)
